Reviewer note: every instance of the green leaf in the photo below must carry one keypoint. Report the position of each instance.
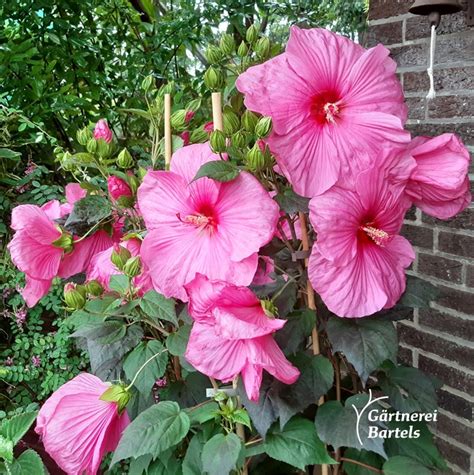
(399, 464)
(6, 449)
(409, 389)
(153, 370)
(155, 430)
(240, 416)
(336, 425)
(28, 463)
(292, 203)
(219, 170)
(86, 213)
(119, 283)
(298, 328)
(296, 444)
(7, 153)
(178, 341)
(171, 467)
(201, 414)
(17, 426)
(139, 112)
(158, 307)
(418, 294)
(104, 333)
(366, 343)
(221, 454)
(368, 458)
(421, 448)
(192, 462)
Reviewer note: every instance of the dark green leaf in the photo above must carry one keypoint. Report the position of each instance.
(178, 341)
(221, 454)
(192, 462)
(297, 329)
(86, 213)
(201, 414)
(158, 307)
(368, 458)
(399, 464)
(366, 343)
(219, 170)
(104, 333)
(292, 203)
(119, 283)
(419, 293)
(7, 153)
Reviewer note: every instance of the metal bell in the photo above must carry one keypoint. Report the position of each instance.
(443, 7)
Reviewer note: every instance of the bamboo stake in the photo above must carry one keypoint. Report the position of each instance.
(312, 306)
(168, 140)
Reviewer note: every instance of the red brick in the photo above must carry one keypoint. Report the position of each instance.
(456, 299)
(436, 266)
(436, 320)
(418, 236)
(386, 8)
(386, 34)
(445, 79)
(411, 214)
(415, 55)
(405, 356)
(454, 454)
(464, 130)
(454, 404)
(457, 244)
(454, 48)
(470, 276)
(460, 432)
(450, 106)
(416, 107)
(464, 220)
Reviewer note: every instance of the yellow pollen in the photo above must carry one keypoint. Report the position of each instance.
(197, 219)
(377, 235)
(331, 110)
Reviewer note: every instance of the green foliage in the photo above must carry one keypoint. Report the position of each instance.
(221, 454)
(219, 170)
(400, 464)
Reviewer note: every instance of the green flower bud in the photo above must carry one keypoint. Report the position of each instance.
(242, 50)
(103, 148)
(120, 256)
(193, 105)
(73, 297)
(198, 136)
(252, 34)
(269, 308)
(124, 159)
(178, 119)
(141, 173)
(92, 145)
(255, 159)
(214, 54)
(67, 162)
(117, 393)
(238, 140)
(213, 79)
(218, 141)
(262, 47)
(134, 183)
(245, 63)
(126, 201)
(249, 121)
(236, 102)
(94, 288)
(65, 241)
(263, 127)
(147, 83)
(231, 121)
(84, 135)
(133, 267)
(227, 44)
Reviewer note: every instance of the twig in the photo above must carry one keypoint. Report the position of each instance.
(356, 462)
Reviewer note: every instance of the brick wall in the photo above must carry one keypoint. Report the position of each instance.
(439, 340)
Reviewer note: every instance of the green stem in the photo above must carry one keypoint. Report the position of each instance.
(142, 367)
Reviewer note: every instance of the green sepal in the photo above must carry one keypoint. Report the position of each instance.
(119, 394)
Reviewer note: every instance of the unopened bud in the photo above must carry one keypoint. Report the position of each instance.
(73, 297)
(84, 135)
(227, 44)
(94, 288)
(103, 148)
(255, 159)
(134, 183)
(133, 267)
(263, 127)
(214, 54)
(65, 241)
(213, 79)
(262, 47)
(231, 121)
(218, 141)
(119, 394)
(238, 140)
(249, 121)
(92, 145)
(269, 308)
(178, 119)
(124, 159)
(252, 34)
(147, 82)
(120, 256)
(243, 49)
(198, 136)
(236, 102)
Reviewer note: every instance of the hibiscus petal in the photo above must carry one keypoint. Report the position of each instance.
(203, 294)
(252, 378)
(34, 290)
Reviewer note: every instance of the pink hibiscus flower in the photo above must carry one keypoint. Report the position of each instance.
(101, 268)
(357, 264)
(266, 266)
(77, 427)
(204, 226)
(439, 185)
(232, 335)
(328, 98)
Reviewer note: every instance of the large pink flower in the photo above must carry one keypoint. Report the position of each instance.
(204, 226)
(232, 335)
(328, 98)
(439, 185)
(78, 428)
(357, 264)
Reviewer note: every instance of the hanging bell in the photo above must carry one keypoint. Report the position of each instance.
(443, 7)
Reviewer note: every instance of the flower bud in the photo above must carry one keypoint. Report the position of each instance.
(243, 49)
(231, 121)
(84, 135)
(141, 172)
(92, 146)
(198, 136)
(269, 308)
(132, 267)
(124, 159)
(263, 127)
(249, 121)
(237, 101)
(67, 162)
(213, 79)
(238, 140)
(218, 141)
(227, 44)
(194, 105)
(102, 131)
(119, 394)
(134, 183)
(255, 159)
(120, 255)
(65, 241)
(214, 54)
(73, 297)
(118, 188)
(262, 47)
(245, 63)
(147, 83)
(103, 148)
(178, 119)
(94, 288)
(252, 34)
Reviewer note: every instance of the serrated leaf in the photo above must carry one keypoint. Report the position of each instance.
(155, 430)
(221, 454)
(15, 427)
(201, 414)
(366, 343)
(86, 213)
(296, 444)
(104, 333)
(6, 449)
(240, 416)
(399, 464)
(298, 327)
(291, 203)
(418, 294)
(158, 307)
(219, 170)
(153, 370)
(28, 463)
(178, 341)
(119, 283)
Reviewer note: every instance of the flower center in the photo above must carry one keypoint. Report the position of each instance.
(200, 220)
(325, 107)
(378, 236)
